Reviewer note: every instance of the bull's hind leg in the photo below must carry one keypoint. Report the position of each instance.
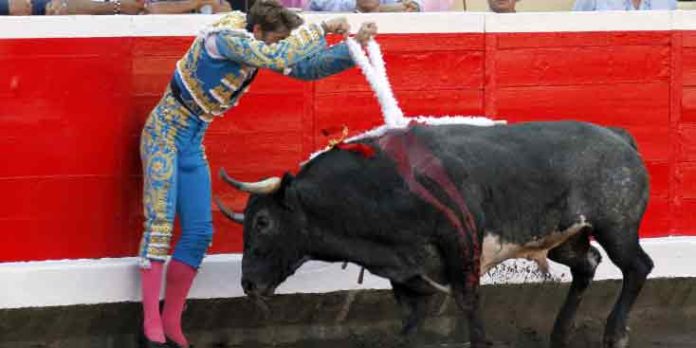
(582, 259)
(622, 247)
(464, 279)
(468, 301)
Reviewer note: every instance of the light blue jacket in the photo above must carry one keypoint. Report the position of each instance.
(221, 63)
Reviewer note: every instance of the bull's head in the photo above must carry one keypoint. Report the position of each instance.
(273, 233)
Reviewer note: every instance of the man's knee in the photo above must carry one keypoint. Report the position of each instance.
(193, 245)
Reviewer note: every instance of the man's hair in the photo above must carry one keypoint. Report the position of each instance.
(271, 15)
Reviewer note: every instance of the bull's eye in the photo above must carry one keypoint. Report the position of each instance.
(262, 223)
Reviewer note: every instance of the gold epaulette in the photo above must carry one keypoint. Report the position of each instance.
(232, 20)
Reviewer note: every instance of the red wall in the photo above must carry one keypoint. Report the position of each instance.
(72, 110)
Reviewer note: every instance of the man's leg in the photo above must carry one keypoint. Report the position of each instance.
(196, 234)
(159, 204)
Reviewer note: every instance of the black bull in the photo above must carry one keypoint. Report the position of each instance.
(436, 206)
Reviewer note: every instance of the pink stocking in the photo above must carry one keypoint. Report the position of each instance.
(151, 283)
(179, 279)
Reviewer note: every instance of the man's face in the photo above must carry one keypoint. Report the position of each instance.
(270, 37)
(502, 6)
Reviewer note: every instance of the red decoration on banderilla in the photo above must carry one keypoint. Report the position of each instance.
(339, 142)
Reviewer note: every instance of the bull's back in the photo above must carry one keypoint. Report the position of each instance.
(534, 178)
(563, 149)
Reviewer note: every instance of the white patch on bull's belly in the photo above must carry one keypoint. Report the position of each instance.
(494, 252)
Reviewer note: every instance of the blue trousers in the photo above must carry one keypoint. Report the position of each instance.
(176, 181)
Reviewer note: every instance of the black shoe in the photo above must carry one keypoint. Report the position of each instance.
(144, 342)
(172, 344)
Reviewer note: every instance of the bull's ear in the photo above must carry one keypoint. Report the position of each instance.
(287, 180)
(286, 194)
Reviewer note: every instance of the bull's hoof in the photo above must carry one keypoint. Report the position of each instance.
(408, 329)
(561, 340)
(617, 341)
(488, 344)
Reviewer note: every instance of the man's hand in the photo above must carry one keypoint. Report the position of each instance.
(411, 6)
(367, 5)
(132, 7)
(223, 6)
(337, 25)
(217, 5)
(366, 32)
(401, 6)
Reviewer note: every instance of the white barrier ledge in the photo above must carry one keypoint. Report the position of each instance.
(684, 20)
(72, 282)
(12, 27)
(541, 22)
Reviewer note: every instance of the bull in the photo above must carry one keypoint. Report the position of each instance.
(434, 207)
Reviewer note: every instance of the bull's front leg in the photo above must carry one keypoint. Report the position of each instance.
(414, 297)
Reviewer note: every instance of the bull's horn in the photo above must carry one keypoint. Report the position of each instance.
(236, 217)
(269, 185)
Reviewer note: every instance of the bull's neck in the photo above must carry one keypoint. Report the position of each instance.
(330, 247)
(334, 247)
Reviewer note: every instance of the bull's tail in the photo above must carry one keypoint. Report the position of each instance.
(625, 135)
